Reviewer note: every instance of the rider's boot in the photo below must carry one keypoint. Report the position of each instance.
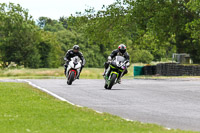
(65, 67)
(104, 73)
(78, 76)
(79, 73)
(65, 71)
(119, 81)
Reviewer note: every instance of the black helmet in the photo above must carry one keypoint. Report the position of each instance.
(76, 48)
(122, 48)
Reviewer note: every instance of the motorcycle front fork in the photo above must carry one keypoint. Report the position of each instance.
(107, 73)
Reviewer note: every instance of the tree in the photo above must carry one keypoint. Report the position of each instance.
(151, 29)
(19, 36)
(49, 50)
(193, 30)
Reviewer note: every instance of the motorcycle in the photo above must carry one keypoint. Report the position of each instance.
(116, 69)
(73, 69)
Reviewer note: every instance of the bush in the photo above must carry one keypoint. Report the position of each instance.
(142, 56)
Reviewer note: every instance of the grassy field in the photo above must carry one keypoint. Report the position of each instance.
(87, 73)
(25, 109)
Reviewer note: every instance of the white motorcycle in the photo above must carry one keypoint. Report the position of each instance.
(73, 69)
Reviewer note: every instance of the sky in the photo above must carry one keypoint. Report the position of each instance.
(56, 8)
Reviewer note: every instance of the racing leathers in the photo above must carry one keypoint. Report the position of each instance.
(112, 55)
(70, 54)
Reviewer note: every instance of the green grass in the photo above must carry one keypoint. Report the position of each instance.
(25, 109)
(45, 73)
(58, 73)
(31, 72)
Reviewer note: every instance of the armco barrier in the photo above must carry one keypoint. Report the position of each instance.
(138, 70)
(172, 69)
(149, 70)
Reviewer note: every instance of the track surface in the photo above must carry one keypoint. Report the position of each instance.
(173, 104)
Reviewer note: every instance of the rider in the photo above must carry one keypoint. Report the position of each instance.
(122, 52)
(72, 53)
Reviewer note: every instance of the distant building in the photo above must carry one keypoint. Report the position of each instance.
(182, 58)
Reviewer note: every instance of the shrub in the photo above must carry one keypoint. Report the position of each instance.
(142, 56)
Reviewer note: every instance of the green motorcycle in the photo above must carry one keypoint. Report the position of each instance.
(116, 69)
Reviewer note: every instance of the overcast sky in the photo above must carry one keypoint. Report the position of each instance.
(57, 8)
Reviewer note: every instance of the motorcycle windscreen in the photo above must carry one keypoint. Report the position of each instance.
(117, 62)
(75, 59)
(120, 58)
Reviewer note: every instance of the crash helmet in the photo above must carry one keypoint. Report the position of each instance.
(122, 48)
(76, 48)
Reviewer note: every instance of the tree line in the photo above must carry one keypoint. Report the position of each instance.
(151, 29)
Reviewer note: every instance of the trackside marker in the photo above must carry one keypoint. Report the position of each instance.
(99, 112)
(128, 120)
(168, 128)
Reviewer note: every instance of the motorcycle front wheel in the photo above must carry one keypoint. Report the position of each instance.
(71, 78)
(106, 86)
(112, 81)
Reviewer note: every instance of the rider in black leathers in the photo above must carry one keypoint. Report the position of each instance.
(72, 53)
(122, 52)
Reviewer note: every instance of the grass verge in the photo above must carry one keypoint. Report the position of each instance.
(45, 73)
(87, 73)
(25, 109)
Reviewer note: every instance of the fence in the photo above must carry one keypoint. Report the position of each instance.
(172, 69)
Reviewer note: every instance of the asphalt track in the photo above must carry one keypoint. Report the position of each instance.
(170, 103)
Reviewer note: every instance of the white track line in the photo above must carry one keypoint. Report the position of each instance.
(45, 90)
(62, 99)
(53, 94)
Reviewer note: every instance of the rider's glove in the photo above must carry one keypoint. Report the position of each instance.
(109, 58)
(128, 64)
(123, 67)
(82, 64)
